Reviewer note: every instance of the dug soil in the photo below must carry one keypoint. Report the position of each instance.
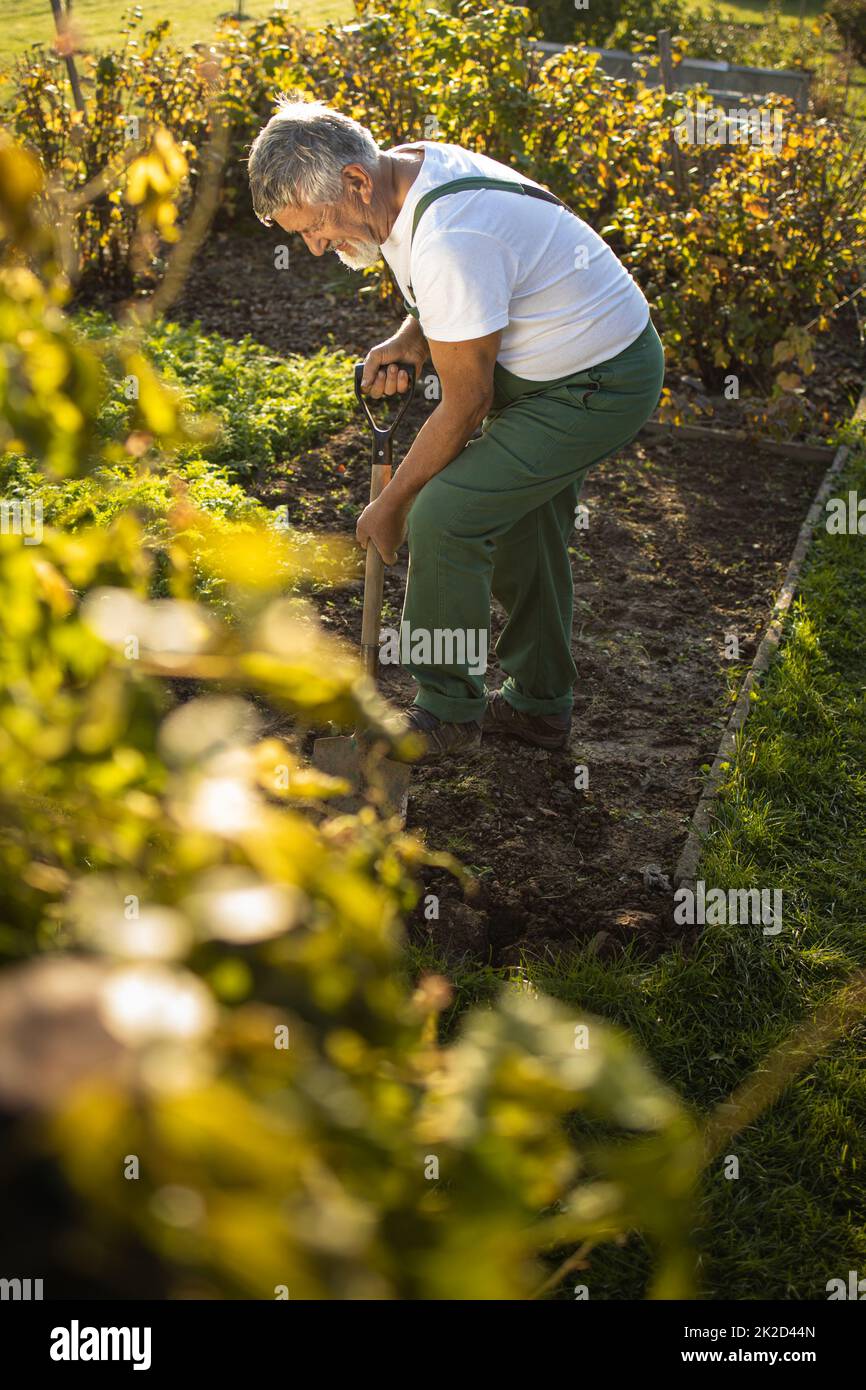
(685, 550)
(683, 553)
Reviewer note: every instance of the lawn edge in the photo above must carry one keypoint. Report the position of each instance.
(701, 823)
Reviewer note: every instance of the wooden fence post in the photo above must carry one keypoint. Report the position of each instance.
(62, 28)
(666, 64)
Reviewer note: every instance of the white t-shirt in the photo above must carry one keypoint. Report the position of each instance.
(485, 259)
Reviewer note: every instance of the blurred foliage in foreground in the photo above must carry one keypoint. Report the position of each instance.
(216, 1078)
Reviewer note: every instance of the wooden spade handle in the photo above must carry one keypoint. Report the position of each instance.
(374, 570)
(380, 476)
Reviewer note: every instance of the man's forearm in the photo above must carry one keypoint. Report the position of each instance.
(410, 336)
(467, 373)
(437, 443)
(411, 330)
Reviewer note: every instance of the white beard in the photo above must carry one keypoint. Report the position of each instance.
(365, 254)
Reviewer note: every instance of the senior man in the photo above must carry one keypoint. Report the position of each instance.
(538, 334)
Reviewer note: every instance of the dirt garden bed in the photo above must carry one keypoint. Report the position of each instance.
(680, 551)
(686, 544)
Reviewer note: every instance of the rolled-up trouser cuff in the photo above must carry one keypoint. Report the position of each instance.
(526, 705)
(451, 709)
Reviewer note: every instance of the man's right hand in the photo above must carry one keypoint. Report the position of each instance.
(381, 375)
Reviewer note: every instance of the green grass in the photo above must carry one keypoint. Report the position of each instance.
(792, 816)
(749, 13)
(100, 21)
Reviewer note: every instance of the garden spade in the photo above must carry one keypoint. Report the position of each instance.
(351, 756)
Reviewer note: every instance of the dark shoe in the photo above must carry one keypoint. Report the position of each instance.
(443, 740)
(542, 730)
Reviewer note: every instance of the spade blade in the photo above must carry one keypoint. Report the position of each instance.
(371, 778)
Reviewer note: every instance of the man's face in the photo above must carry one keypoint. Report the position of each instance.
(336, 229)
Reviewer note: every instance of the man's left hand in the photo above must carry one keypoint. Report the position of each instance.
(384, 524)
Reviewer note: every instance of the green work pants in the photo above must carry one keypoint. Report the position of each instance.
(499, 519)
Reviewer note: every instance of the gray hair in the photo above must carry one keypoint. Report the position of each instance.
(299, 156)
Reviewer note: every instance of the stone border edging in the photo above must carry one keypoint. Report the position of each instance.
(686, 868)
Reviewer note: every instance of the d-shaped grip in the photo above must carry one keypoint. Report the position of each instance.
(378, 429)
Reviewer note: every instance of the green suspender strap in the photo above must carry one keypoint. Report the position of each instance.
(457, 186)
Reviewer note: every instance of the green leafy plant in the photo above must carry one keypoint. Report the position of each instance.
(603, 23)
(849, 20)
(260, 409)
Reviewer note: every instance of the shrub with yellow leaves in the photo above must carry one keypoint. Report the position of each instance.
(152, 183)
(762, 235)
